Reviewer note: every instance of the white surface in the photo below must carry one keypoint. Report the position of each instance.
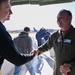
(7, 68)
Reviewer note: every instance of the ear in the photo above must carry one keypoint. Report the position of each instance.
(69, 18)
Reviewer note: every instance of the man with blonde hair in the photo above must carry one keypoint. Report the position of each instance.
(8, 50)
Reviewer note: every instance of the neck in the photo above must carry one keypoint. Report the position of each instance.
(2, 21)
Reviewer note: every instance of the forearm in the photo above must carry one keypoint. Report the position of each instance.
(43, 48)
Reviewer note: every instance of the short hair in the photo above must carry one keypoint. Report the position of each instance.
(27, 29)
(67, 11)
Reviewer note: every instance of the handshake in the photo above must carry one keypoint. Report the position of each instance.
(35, 52)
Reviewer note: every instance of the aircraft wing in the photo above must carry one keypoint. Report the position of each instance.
(39, 2)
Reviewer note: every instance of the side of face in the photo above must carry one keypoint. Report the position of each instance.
(5, 11)
(62, 19)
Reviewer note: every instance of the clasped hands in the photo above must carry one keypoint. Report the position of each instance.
(65, 68)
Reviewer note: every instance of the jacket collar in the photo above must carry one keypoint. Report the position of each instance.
(67, 32)
(2, 26)
(23, 34)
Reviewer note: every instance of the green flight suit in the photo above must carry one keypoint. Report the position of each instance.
(64, 48)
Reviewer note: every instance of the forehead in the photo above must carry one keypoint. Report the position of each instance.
(62, 14)
(5, 5)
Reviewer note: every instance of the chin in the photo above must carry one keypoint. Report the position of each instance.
(60, 25)
(8, 19)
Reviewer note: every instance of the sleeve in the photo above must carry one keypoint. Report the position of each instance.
(47, 45)
(9, 51)
(72, 65)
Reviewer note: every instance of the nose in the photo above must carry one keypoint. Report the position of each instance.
(57, 19)
(11, 11)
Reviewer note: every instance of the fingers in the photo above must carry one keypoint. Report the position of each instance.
(65, 68)
(62, 70)
(36, 52)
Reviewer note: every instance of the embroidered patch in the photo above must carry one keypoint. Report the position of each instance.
(67, 40)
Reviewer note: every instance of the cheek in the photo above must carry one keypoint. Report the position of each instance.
(6, 14)
(59, 22)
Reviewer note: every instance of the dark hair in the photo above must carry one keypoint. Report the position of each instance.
(67, 11)
(27, 29)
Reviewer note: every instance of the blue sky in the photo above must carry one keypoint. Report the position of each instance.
(37, 16)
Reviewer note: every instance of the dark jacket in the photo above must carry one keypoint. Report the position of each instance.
(64, 48)
(24, 43)
(9, 51)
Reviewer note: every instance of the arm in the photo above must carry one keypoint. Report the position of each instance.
(47, 45)
(9, 51)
